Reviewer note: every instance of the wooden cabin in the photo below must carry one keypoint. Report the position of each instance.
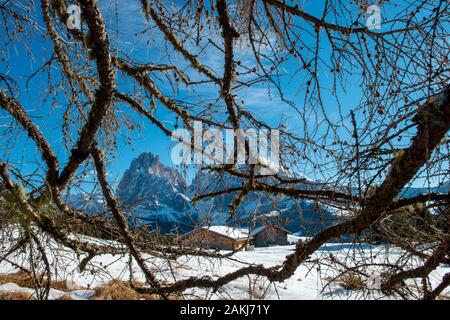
(269, 235)
(217, 237)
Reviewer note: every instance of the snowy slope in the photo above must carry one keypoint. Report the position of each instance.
(309, 281)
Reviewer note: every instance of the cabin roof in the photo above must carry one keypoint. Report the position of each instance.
(236, 233)
(229, 232)
(259, 229)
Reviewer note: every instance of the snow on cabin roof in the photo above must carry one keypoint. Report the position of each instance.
(261, 228)
(273, 213)
(229, 232)
(257, 230)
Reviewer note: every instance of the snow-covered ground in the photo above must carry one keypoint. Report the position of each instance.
(309, 281)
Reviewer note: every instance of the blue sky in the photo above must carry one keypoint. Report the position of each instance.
(48, 112)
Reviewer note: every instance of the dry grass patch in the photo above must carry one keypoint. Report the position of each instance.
(62, 285)
(352, 281)
(16, 295)
(113, 290)
(120, 290)
(21, 278)
(25, 280)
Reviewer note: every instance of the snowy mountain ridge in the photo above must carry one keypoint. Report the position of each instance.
(160, 196)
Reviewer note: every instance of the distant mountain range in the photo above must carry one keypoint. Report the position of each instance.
(160, 197)
(298, 216)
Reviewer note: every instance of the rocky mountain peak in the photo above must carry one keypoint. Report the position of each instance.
(147, 168)
(156, 193)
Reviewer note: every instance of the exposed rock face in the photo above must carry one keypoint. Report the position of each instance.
(213, 210)
(156, 194)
